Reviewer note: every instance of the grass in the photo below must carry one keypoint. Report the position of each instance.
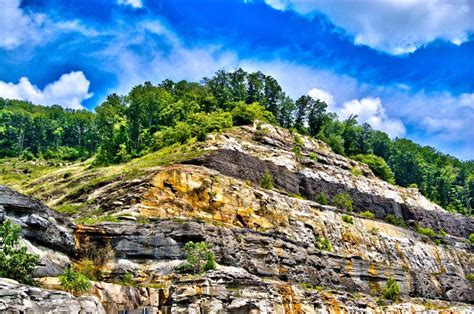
(69, 209)
(348, 219)
(95, 220)
(18, 173)
(367, 214)
(356, 171)
(310, 286)
(298, 196)
(397, 221)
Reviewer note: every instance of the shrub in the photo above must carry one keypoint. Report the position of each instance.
(442, 233)
(378, 165)
(260, 132)
(397, 221)
(199, 259)
(74, 282)
(313, 157)
(323, 244)
(128, 280)
(67, 175)
(15, 261)
(470, 277)
(367, 214)
(356, 171)
(343, 201)
(348, 219)
(391, 290)
(322, 198)
(88, 269)
(426, 231)
(470, 239)
(266, 182)
(244, 114)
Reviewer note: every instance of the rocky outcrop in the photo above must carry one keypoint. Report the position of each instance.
(40, 224)
(18, 298)
(240, 155)
(267, 242)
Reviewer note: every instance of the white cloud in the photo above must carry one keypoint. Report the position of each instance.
(368, 110)
(137, 4)
(68, 91)
(393, 26)
(17, 26)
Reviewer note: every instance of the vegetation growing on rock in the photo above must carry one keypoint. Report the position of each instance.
(266, 182)
(391, 290)
(74, 282)
(343, 201)
(199, 259)
(15, 261)
(348, 219)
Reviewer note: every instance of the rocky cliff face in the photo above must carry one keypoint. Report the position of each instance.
(266, 242)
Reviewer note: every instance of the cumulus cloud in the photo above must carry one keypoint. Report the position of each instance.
(368, 110)
(393, 26)
(68, 91)
(137, 4)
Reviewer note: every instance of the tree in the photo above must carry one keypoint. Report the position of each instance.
(15, 261)
(378, 166)
(199, 258)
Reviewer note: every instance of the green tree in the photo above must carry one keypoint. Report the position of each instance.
(15, 261)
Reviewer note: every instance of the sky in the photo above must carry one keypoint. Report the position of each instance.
(404, 66)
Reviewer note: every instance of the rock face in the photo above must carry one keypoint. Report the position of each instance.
(267, 243)
(18, 298)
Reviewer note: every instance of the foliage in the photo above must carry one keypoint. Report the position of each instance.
(394, 220)
(322, 198)
(127, 280)
(470, 277)
(356, 171)
(74, 282)
(88, 268)
(199, 259)
(343, 201)
(348, 219)
(323, 244)
(378, 166)
(367, 214)
(15, 261)
(152, 117)
(470, 239)
(425, 231)
(266, 182)
(391, 290)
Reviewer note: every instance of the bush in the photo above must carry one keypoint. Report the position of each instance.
(15, 261)
(323, 244)
(348, 219)
(356, 171)
(343, 201)
(128, 280)
(426, 231)
(367, 214)
(378, 165)
(470, 239)
(391, 290)
(244, 114)
(266, 182)
(470, 277)
(88, 269)
(397, 221)
(322, 198)
(199, 259)
(74, 282)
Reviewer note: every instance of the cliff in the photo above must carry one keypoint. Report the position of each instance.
(267, 242)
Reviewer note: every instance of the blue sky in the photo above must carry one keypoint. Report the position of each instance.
(405, 67)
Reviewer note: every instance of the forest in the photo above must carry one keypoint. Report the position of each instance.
(151, 117)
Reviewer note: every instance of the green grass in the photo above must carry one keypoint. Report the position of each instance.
(17, 173)
(356, 171)
(95, 220)
(367, 214)
(348, 219)
(69, 209)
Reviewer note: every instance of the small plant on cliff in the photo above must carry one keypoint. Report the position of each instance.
(15, 261)
(322, 198)
(343, 201)
(470, 239)
(128, 280)
(470, 277)
(397, 221)
(260, 132)
(425, 231)
(348, 219)
(367, 214)
(199, 259)
(74, 282)
(266, 182)
(356, 171)
(323, 244)
(391, 290)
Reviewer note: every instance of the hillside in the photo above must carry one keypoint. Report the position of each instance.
(294, 227)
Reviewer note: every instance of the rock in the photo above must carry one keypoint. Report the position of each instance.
(18, 298)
